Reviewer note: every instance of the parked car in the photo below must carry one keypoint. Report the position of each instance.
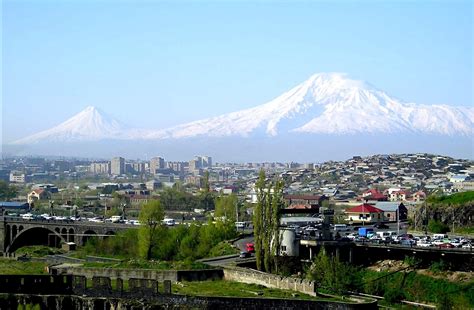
(424, 244)
(380, 226)
(244, 254)
(250, 247)
(467, 246)
(446, 246)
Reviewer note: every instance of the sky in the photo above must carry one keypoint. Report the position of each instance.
(156, 64)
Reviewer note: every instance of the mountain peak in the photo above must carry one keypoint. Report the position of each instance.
(337, 81)
(89, 124)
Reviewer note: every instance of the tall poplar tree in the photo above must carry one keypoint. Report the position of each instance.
(267, 222)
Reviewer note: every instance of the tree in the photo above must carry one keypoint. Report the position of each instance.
(226, 206)
(267, 222)
(151, 216)
(7, 192)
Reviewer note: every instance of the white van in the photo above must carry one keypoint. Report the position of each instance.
(383, 234)
(240, 225)
(440, 236)
(341, 227)
(169, 222)
(115, 218)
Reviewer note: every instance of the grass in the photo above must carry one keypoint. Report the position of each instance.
(224, 288)
(454, 199)
(8, 266)
(143, 264)
(37, 251)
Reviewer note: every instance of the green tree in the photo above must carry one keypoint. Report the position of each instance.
(226, 206)
(151, 216)
(7, 192)
(332, 274)
(267, 222)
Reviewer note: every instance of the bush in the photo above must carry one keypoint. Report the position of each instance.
(437, 227)
(439, 266)
(393, 295)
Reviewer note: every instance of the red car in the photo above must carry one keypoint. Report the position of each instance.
(250, 247)
(446, 246)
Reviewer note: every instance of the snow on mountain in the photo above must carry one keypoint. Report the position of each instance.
(330, 103)
(88, 125)
(326, 103)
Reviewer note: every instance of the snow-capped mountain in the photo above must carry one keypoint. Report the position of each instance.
(330, 103)
(326, 103)
(91, 124)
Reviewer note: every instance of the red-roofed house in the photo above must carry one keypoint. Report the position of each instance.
(400, 195)
(373, 194)
(419, 196)
(364, 213)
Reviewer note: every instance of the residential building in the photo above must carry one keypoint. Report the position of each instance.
(364, 213)
(38, 194)
(156, 163)
(117, 166)
(393, 211)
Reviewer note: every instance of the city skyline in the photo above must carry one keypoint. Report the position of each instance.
(179, 63)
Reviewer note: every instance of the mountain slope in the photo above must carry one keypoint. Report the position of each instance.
(326, 103)
(330, 103)
(89, 125)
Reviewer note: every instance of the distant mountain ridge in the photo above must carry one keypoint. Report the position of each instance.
(326, 103)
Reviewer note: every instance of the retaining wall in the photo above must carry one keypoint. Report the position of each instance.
(269, 280)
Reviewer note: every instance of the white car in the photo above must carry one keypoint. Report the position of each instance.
(46, 216)
(424, 244)
(467, 246)
(27, 216)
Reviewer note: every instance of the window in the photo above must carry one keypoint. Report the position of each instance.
(283, 247)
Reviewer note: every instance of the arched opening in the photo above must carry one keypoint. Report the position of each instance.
(109, 233)
(7, 235)
(35, 236)
(20, 228)
(57, 230)
(71, 235)
(88, 234)
(14, 231)
(64, 233)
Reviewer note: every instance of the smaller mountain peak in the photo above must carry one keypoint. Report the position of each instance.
(90, 108)
(337, 80)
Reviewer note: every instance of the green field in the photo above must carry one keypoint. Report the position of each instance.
(9, 266)
(235, 289)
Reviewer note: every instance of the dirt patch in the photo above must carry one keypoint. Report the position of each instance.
(452, 276)
(394, 265)
(388, 265)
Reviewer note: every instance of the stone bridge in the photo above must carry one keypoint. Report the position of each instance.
(16, 232)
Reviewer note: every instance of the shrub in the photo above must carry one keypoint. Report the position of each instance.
(393, 295)
(437, 227)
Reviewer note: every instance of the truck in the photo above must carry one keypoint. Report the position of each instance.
(366, 232)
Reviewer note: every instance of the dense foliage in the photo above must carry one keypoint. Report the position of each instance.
(7, 192)
(437, 227)
(331, 274)
(416, 287)
(176, 243)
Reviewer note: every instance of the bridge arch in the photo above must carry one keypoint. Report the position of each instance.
(35, 236)
(71, 234)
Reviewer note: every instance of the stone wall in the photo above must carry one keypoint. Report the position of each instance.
(245, 275)
(158, 275)
(172, 302)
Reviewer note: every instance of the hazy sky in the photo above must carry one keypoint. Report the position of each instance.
(155, 64)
